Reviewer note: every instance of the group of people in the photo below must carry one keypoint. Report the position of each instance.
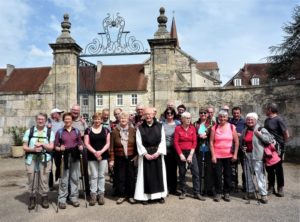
(148, 156)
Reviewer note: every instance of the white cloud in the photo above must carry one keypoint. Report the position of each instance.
(36, 52)
(75, 5)
(14, 15)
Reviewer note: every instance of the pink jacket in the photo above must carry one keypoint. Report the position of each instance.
(271, 156)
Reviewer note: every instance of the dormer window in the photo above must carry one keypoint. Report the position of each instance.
(254, 81)
(237, 82)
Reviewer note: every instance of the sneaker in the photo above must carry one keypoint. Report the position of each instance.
(182, 196)
(264, 199)
(45, 202)
(131, 200)
(62, 205)
(271, 190)
(121, 200)
(93, 199)
(227, 197)
(280, 192)
(101, 200)
(75, 203)
(217, 197)
(161, 201)
(32, 203)
(199, 197)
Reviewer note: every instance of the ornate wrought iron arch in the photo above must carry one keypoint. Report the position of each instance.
(110, 46)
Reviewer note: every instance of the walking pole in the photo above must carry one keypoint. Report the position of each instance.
(246, 176)
(32, 187)
(202, 172)
(37, 168)
(59, 178)
(82, 178)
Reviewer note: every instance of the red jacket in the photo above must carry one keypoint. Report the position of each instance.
(185, 139)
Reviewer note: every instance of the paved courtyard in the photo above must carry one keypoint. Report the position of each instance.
(13, 204)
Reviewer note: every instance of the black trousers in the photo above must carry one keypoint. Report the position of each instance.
(171, 169)
(194, 170)
(206, 172)
(276, 171)
(124, 178)
(85, 171)
(222, 168)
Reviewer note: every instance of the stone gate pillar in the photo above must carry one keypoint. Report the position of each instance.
(64, 69)
(162, 64)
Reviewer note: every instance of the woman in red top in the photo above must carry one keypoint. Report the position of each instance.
(221, 143)
(185, 141)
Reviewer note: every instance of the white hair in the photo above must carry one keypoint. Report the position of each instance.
(223, 113)
(252, 115)
(185, 115)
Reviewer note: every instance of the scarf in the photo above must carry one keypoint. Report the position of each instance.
(124, 138)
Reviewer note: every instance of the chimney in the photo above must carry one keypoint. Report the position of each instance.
(99, 66)
(9, 69)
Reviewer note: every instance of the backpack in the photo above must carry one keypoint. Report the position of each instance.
(39, 137)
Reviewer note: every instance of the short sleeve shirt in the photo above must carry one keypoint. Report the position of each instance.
(42, 138)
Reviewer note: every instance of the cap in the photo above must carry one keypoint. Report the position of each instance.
(55, 110)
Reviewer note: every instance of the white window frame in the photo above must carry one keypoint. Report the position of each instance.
(134, 99)
(255, 81)
(99, 100)
(85, 98)
(237, 82)
(119, 100)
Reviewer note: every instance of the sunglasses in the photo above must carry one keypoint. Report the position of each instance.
(202, 113)
(169, 113)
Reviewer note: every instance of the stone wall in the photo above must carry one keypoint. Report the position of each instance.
(251, 99)
(20, 110)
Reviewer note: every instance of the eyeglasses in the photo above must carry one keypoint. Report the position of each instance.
(169, 113)
(202, 113)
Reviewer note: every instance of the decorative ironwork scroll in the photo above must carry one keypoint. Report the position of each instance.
(118, 44)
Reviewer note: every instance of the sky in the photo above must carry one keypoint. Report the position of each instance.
(229, 32)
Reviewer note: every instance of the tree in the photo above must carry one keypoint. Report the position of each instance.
(285, 61)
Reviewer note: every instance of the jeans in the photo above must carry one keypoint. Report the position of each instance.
(194, 170)
(257, 167)
(97, 176)
(222, 168)
(70, 177)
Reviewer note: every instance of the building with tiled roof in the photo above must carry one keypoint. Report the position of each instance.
(252, 74)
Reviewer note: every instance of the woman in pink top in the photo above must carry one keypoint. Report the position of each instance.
(221, 142)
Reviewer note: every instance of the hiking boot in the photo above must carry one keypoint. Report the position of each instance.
(62, 205)
(227, 197)
(199, 197)
(93, 199)
(145, 202)
(217, 197)
(32, 203)
(264, 199)
(45, 202)
(249, 196)
(75, 203)
(182, 196)
(271, 190)
(101, 199)
(280, 192)
(131, 200)
(161, 201)
(121, 200)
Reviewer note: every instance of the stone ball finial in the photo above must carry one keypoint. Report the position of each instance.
(66, 24)
(162, 19)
